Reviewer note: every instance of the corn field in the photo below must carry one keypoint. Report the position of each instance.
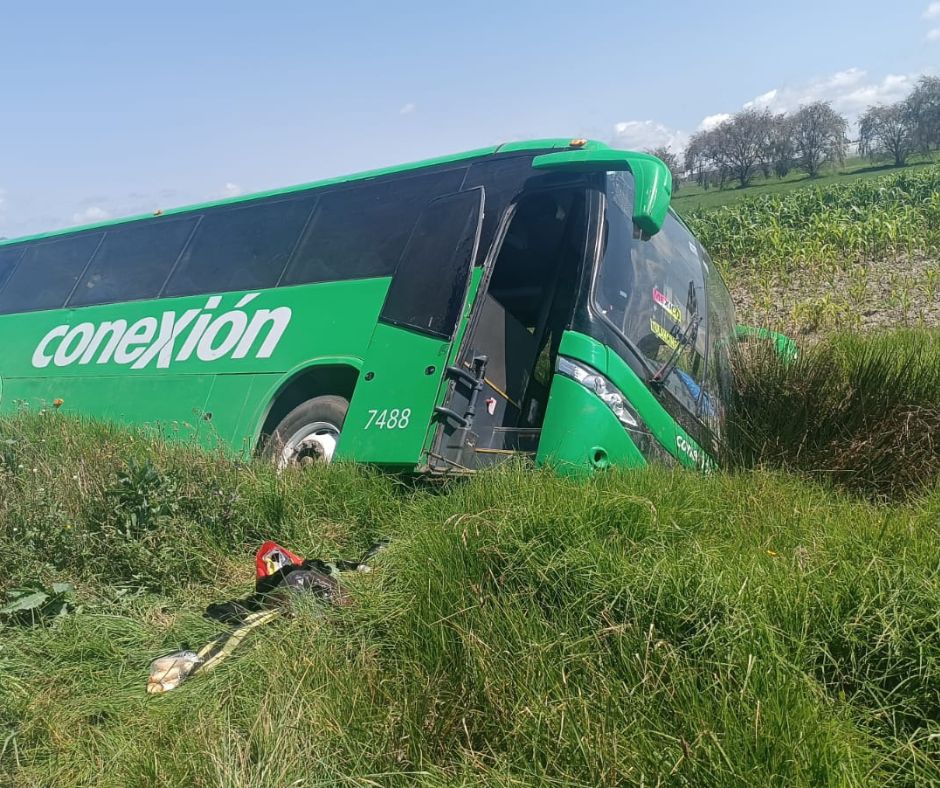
(829, 226)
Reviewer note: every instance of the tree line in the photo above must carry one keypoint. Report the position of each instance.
(760, 141)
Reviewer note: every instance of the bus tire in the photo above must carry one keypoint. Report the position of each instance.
(308, 434)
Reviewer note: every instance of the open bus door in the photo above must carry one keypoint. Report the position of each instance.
(415, 339)
(497, 398)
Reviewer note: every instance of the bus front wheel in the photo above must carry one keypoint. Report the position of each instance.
(309, 433)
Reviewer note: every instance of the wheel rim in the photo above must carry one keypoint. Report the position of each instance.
(315, 442)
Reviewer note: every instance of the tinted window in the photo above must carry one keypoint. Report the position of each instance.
(9, 257)
(653, 290)
(360, 232)
(502, 179)
(133, 261)
(431, 280)
(47, 273)
(241, 247)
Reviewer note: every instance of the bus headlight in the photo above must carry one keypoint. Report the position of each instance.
(606, 391)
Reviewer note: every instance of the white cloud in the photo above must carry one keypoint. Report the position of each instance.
(642, 134)
(408, 109)
(232, 190)
(850, 92)
(713, 121)
(763, 100)
(3, 200)
(933, 35)
(91, 214)
(932, 11)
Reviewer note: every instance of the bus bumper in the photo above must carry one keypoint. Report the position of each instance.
(581, 435)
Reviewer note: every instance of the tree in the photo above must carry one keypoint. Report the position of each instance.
(671, 160)
(781, 149)
(887, 131)
(737, 143)
(818, 136)
(923, 113)
(698, 159)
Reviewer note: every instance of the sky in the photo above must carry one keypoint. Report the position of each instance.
(110, 108)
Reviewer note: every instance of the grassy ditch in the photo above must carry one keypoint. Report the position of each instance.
(862, 413)
(521, 629)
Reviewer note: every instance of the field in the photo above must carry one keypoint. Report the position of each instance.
(843, 256)
(692, 197)
(774, 623)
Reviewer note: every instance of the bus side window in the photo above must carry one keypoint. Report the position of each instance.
(47, 273)
(240, 247)
(133, 261)
(359, 232)
(428, 289)
(8, 260)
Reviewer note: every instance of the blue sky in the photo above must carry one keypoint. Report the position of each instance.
(111, 108)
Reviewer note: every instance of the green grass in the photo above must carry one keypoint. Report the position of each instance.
(860, 413)
(635, 628)
(692, 197)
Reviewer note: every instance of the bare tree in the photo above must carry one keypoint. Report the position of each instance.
(818, 136)
(923, 112)
(886, 131)
(665, 154)
(698, 159)
(767, 149)
(737, 143)
(781, 148)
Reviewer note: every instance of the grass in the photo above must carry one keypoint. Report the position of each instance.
(692, 197)
(860, 413)
(635, 628)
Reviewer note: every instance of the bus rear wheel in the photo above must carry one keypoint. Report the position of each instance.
(309, 433)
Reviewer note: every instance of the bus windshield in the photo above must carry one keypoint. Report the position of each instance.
(663, 296)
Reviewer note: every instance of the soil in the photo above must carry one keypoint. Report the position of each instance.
(903, 292)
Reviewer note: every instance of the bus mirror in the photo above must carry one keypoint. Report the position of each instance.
(651, 177)
(786, 348)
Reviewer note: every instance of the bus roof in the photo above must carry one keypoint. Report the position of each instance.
(509, 147)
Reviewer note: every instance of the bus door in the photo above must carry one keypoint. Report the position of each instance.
(415, 339)
(496, 402)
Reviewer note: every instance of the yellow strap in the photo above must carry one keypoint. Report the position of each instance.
(221, 646)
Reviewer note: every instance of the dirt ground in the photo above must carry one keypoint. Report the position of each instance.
(895, 293)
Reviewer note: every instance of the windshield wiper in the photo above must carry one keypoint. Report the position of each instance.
(685, 339)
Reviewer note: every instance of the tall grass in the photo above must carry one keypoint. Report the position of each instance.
(836, 225)
(862, 413)
(636, 628)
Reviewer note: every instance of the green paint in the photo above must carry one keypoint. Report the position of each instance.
(210, 367)
(660, 423)
(652, 178)
(581, 434)
(119, 375)
(786, 348)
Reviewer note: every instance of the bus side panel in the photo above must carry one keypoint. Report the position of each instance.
(173, 360)
(229, 399)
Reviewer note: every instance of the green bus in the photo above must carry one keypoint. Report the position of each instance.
(536, 298)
